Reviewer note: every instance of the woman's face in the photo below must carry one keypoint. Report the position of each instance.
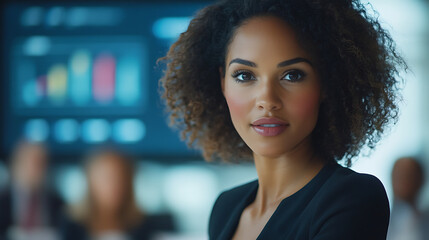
(107, 183)
(271, 87)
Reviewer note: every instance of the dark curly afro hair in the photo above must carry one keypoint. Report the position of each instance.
(355, 57)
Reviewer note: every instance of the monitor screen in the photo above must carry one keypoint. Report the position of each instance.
(79, 75)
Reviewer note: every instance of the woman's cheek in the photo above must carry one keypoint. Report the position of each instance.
(306, 105)
(238, 106)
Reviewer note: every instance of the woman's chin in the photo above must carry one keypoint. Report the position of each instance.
(269, 152)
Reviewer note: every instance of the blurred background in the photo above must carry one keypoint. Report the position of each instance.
(82, 75)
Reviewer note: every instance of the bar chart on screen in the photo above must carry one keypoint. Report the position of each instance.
(79, 73)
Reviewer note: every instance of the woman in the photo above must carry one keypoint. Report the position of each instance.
(109, 210)
(295, 86)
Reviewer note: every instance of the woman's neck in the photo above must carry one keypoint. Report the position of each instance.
(106, 221)
(282, 176)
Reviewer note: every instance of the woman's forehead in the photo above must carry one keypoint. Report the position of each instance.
(267, 37)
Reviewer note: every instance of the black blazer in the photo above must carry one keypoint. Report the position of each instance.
(54, 204)
(336, 204)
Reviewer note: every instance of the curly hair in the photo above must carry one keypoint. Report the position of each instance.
(355, 57)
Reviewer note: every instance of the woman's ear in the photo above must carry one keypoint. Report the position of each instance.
(222, 79)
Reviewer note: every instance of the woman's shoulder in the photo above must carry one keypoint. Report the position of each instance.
(347, 180)
(153, 224)
(71, 228)
(346, 187)
(350, 203)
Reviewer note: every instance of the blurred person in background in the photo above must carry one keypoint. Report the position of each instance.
(406, 219)
(109, 210)
(30, 209)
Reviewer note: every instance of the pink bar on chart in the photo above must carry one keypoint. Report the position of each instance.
(103, 85)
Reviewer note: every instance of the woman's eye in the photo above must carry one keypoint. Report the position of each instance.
(293, 76)
(241, 76)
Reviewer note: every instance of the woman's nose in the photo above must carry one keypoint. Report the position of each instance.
(268, 96)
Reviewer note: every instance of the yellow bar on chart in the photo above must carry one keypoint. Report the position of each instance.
(57, 83)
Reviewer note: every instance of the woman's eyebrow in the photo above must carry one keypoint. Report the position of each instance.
(293, 61)
(242, 61)
(282, 64)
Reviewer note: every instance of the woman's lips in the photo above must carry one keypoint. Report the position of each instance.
(269, 127)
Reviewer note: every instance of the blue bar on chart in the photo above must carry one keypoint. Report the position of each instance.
(80, 77)
(26, 73)
(128, 80)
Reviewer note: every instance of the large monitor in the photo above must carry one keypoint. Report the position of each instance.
(78, 75)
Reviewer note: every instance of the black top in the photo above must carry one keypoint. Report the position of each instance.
(147, 229)
(337, 203)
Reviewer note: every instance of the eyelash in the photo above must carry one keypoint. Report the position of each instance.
(239, 72)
